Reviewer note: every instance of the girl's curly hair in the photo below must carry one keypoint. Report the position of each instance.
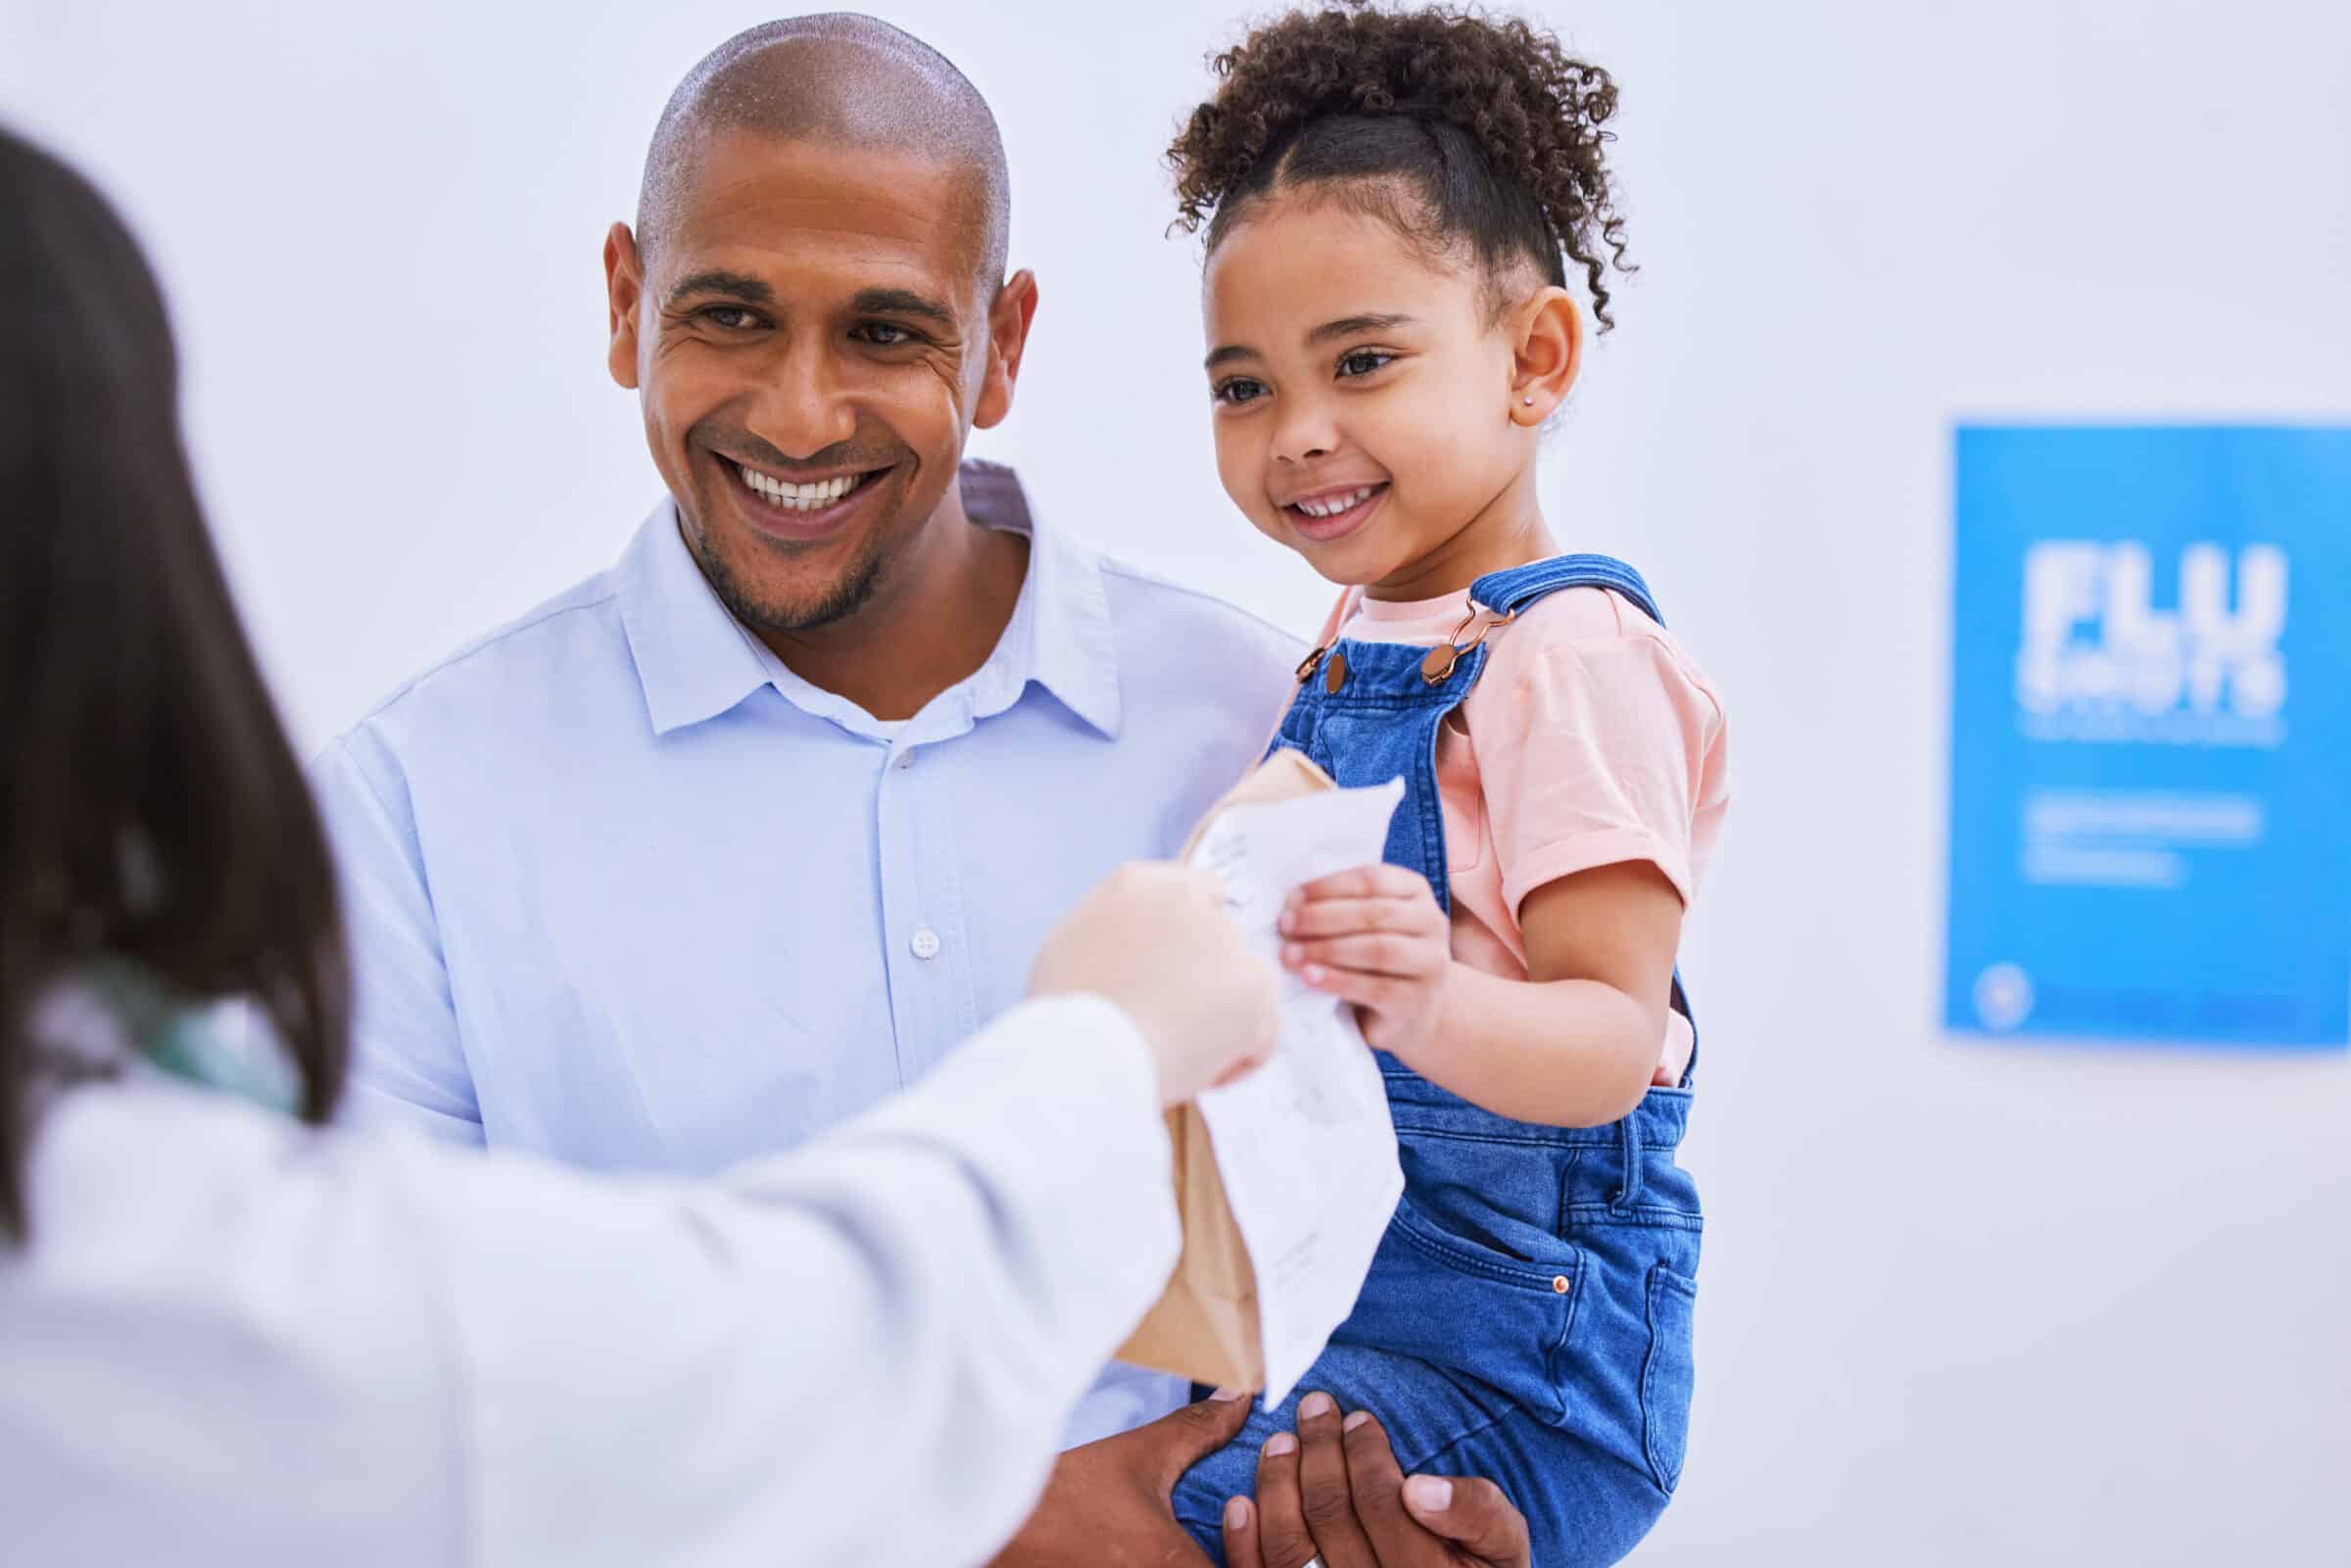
(1451, 125)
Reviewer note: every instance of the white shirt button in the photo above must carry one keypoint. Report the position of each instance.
(925, 943)
(906, 758)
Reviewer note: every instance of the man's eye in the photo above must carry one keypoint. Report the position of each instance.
(1363, 361)
(1240, 390)
(885, 335)
(729, 317)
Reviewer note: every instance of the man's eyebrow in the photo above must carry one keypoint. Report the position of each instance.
(739, 285)
(901, 302)
(1347, 326)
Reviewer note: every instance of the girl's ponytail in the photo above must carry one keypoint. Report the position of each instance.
(1489, 131)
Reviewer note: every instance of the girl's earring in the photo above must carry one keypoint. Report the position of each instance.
(1529, 401)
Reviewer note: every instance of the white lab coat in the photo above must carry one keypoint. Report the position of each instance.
(234, 1340)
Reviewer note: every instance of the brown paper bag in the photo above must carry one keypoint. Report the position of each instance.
(1203, 1325)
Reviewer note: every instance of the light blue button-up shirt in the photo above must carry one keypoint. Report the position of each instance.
(624, 891)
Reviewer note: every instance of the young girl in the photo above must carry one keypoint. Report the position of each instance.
(1387, 197)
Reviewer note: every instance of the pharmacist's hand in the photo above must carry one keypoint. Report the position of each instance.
(1335, 1494)
(1159, 941)
(1107, 1503)
(1375, 936)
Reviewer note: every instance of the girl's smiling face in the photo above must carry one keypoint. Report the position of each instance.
(1370, 410)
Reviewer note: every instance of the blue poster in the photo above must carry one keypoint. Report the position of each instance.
(2151, 736)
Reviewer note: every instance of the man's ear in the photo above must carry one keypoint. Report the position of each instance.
(1548, 338)
(624, 289)
(1008, 321)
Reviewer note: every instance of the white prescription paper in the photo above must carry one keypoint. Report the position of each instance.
(1304, 1144)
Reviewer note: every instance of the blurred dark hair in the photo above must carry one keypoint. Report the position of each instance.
(151, 810)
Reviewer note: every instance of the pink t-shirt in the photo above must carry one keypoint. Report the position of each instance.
(1590, 740)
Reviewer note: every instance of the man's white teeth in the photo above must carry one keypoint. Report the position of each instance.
(799, 497)
(1332, 505)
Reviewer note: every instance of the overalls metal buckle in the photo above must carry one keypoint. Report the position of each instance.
(1438, 667)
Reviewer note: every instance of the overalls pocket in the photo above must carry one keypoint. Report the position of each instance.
(1473, 1275)
(1666, 1375)
(1470, 1306)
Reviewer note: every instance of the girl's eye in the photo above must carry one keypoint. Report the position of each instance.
(1363, 361)
(884, 335)
(1240, 390)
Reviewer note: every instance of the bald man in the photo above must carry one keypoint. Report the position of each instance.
(741, 836)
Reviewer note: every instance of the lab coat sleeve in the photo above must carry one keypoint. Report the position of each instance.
(859, 1351)
(409, 1066)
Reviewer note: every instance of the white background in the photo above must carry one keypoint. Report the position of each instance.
(1962, 1305)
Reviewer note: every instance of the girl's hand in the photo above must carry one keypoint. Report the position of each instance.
(1375, 936)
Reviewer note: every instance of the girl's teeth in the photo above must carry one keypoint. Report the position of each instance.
(1335, 504)
(799, 497)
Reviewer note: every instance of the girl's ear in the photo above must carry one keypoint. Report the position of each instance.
(1548, 335)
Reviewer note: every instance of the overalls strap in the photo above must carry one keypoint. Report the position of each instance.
(1507, 593)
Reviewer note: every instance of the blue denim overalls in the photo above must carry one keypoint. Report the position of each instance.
(1527, 1317)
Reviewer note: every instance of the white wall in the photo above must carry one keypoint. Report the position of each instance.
(1962, 1305)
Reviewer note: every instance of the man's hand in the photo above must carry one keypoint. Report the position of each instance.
(1108, 1504)
(1375, 936)
(1159, 941)
(1334, 1492)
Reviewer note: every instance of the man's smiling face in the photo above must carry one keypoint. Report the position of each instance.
(809, 339)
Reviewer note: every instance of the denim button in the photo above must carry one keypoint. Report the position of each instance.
(1334, 671)
(925, 943)
(1558, 1284)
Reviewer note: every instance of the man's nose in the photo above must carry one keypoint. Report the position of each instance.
(802, 406)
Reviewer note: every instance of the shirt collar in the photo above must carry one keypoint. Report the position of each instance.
(1059, 633)
(690, 659)
(696, 661)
